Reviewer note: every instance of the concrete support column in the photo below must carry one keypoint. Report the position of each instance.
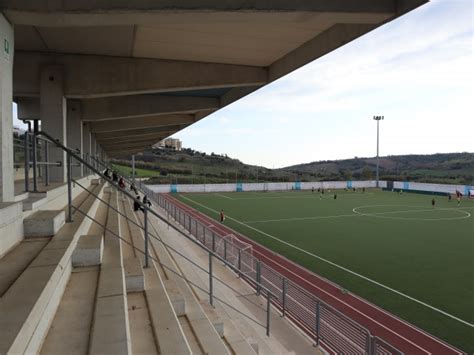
(86, 141)
(53, 117)
(93, 149)
(74, 132)
(7, 190)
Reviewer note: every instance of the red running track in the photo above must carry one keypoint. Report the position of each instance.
(399, 333)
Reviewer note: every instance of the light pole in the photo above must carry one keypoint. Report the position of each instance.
(378, 119)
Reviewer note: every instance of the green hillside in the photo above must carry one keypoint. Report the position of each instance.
(190, 166)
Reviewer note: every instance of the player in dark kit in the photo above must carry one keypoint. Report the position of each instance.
(433, 203)
(222, 216)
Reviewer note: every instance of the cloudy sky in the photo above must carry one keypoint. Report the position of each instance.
(417, 71)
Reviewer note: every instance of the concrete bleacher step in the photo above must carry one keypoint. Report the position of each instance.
(88, 251)
(20, 197)
(70, 329)
(17, 260)
(30, 303)
(134, 277)
(166, 326)
(110, 332)
(183, 299)
(177, 300)
(34, 201)
(44, 223)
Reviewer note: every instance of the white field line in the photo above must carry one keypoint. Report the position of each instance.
(375, 214)
(304, 218)
(341, 267)
(224, 196)
(355, 309)
(382, 214)
(314, 196)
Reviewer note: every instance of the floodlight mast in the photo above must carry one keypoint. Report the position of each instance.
(378, 119)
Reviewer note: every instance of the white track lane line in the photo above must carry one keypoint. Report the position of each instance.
(341, 267)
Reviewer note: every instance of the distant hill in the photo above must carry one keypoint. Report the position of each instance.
(190, 166)
(449, 167)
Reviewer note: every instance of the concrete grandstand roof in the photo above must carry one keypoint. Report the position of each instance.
(177, 57)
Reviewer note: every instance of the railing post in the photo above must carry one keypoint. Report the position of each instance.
(27, 162)
(35, 182)
(210, 280)
(283, 297)
(145, 225)
(225, 249)
(213, 242)
(46, 168)
(268, 312)
(239, 261)
(318, 320)
(69, 187)
(258, 277)
(371, 350)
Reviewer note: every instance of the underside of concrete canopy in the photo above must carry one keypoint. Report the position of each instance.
(142, 70)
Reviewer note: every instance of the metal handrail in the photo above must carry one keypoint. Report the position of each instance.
(70, 154)
(371, 345)
(171, 269)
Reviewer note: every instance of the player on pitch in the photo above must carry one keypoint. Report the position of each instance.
(222, 216)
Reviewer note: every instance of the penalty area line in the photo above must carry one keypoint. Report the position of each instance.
(339, 266)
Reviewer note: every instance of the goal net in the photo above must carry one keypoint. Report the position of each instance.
(229, 247)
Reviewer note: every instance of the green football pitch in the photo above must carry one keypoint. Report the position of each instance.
(396, 251)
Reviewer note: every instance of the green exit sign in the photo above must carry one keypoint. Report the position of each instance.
(6, 48)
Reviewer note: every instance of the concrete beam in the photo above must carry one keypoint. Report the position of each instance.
(155, 136)
(329, 40)
(137, 132)
(137, 145)
(89, 76)
(141, 122)
(28, 108)
(124, 152)
(109, 108)
(110, 7)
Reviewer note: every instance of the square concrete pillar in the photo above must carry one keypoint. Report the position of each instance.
(74, 132)
(86, 143)
(7, 190)
(53, 117)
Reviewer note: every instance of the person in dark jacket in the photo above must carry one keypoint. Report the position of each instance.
(136, 204)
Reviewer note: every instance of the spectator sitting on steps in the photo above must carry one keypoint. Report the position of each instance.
(146, 201)
(136, 204)
(121, 183)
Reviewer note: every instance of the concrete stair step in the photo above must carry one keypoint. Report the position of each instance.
(203, 329)
(11, 226)
(88, 251)
(134, 277)
(17, 260)
(20, 197)
(34, 201)
(166, 326)
(71, 326)
(44, 223)
(110, 329)
(29, 305)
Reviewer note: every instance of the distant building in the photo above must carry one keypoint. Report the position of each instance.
(170, 143)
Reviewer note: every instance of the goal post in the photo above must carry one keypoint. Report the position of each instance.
(235, 251)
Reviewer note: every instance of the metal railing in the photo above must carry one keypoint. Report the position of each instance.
(326, 325)
(147, 211)
(316, 318)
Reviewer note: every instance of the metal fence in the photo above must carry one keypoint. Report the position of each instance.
(326, 325)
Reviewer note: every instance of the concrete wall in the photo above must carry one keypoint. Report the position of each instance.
(444, 188)
(270, 186)
(6, 110)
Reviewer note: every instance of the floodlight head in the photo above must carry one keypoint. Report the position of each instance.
(378, 118)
